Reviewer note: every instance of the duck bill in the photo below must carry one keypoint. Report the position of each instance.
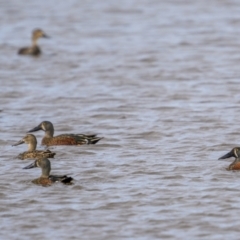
(45, 36)
(228, 155)
(18, 143)
(35, 129)
(32, 165)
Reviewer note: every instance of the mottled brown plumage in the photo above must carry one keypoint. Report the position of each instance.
(235, 152)
(31, 140)
(36, 154)
(46, 179)
(33, 50)
(63, 139)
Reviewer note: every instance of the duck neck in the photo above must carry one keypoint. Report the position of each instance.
(34, 41)
(236, 160)
(46, 172)
(32, 146)
(49, 133)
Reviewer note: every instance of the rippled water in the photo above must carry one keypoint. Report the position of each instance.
(159, 80)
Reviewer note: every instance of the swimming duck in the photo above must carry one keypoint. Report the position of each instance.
(235, 152)
(63, 139)
(34, 50)
(46, 179)
(31, 140)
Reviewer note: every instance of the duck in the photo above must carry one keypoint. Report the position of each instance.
(31, 140)
(63, 139)
(33, 50)
(235, 152)
(46, 179)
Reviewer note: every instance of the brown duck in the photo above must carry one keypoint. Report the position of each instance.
(31, 140)
(33, 50)
(46, 179)
(63, 139)
(235, 152)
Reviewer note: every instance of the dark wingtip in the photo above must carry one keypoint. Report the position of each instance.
(67, 180)
(95, 140)
(91, 135)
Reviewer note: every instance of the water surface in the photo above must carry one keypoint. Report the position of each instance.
(159, 80)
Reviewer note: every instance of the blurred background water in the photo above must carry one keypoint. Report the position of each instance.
(159, 80)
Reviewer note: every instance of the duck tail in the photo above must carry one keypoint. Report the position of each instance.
(91, 135)
(94, 140)
(67, 180)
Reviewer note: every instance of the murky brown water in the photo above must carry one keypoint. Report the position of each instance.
(159, 80)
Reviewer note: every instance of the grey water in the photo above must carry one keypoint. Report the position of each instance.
(159, 80)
